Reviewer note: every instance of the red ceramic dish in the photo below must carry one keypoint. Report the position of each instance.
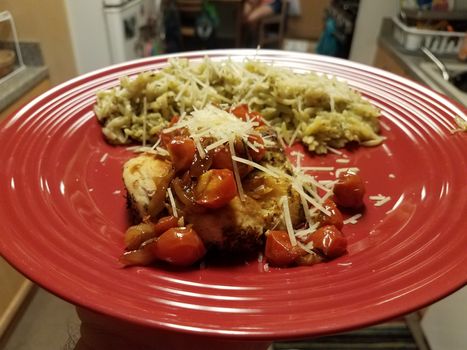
(63, 216)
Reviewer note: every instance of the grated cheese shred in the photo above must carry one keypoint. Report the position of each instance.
(238, 179)
(288, 220)
(172, 202)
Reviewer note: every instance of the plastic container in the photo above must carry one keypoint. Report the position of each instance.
(11, 60)
(439, 42)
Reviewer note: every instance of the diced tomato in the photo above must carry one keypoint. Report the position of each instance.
(165, 223)
(180, 246)
(258, 142)
(137, 234)
(215, 188)
(256, 117)
(182, 151)
(335, 218)
(241, 111)
(200, 164)
(329, 241)
(279, 250)
(144, 255)
(221, 158)
(174, 120)
(349, 190)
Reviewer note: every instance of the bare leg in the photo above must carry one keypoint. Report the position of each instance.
(258, 13)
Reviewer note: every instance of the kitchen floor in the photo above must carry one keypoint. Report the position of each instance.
(49, 323)
(46, 323)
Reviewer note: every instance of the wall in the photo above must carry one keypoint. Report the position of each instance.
(369, 19)
(45, 21)
(309, 24)
(81, 32)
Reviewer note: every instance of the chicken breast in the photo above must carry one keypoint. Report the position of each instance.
(238, 226)
(146, 178)
(241, 225)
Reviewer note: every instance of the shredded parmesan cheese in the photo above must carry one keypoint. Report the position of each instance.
(462, 125)
(335, 151)
(255, 165)
(145, 112)
(379, 199)
(238, 179)
(353, 219)
(308, 247)
(104, 157)
(172, 202)
(288, 220)
(353, 170)
(318, 168)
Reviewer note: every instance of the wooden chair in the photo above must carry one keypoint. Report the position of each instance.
(272, 28)
(188, 10)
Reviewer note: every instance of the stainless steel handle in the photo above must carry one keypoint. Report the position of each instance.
(439, 64)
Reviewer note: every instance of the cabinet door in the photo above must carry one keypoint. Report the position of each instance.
(14, 287)
(13, 291)
(43, 86)
(386, 61)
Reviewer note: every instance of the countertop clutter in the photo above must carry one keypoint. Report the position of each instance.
(25, 79)
(414, 65)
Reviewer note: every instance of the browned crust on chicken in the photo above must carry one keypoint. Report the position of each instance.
(146, 180)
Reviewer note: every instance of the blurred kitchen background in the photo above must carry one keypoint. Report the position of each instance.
(44, 43)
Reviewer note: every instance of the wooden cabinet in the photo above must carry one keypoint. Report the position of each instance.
(384, 60)
(14, 287)
(43, 86)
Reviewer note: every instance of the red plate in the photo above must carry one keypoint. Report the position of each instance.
(63, 216)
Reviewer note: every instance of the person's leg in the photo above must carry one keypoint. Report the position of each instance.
(258, 13)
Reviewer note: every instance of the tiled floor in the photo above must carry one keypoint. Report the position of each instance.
(48, 323)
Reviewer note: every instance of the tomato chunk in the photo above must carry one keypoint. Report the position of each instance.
(240, 111)
(165, 223)
(335, 218)
(257, 141)
(243, 112)
(180, 246)
(174, 120)
(256, 117)
(329, 241)
(349, 190)
(221, 158)
(182, 151)
(137, 234)
(144, 255)
(215, 188)
(279, 250)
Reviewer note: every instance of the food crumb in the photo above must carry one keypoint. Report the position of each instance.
(104, 157)
(353, 219)
(380, 199)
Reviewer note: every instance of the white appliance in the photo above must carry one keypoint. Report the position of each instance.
(112, 31)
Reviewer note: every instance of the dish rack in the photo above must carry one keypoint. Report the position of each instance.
(440, 42)
(11, 60)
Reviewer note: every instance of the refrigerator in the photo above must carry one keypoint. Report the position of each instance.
(106, 32)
